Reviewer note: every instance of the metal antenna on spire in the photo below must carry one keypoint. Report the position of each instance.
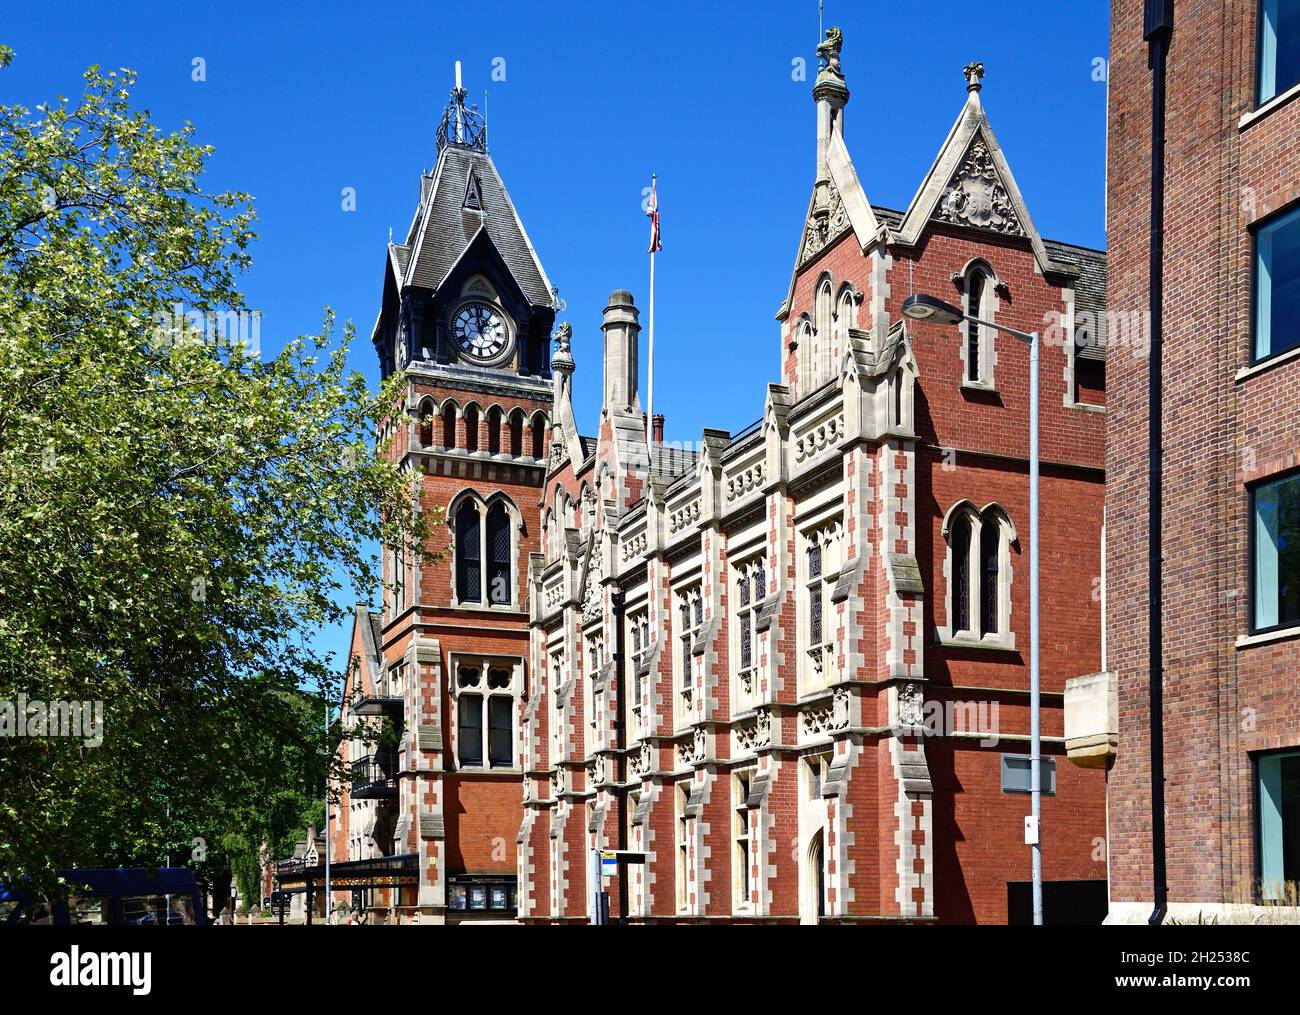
(819, 19)
(458, 96)
(461, 126)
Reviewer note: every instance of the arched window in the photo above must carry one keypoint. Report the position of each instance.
(845, 318)
(494, 431)
(960, 543)
(498, 547)
(979, 569)
(539, 436)
(977, 339)
(426, 423)
(484, 552)
(816, 878)
(899, 381)
(469, 554)
(804, 357)
(990, 563)
(449, 425)
(822, 313)
(471, 428)
(517, 433)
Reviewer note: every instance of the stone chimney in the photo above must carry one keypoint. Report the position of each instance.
(657, 434)
(622, 330)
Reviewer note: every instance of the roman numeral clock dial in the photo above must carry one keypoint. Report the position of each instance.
(480, 333)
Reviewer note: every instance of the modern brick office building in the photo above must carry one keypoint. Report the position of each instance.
(1231, 440)
(741, 649)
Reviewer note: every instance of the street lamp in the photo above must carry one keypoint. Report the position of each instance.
(923, 307)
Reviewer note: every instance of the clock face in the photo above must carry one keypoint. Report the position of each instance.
(480, 332)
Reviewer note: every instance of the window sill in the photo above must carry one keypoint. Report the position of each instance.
(1268, 364)
(979, 644)
(983, 387)
(1273, 104)
(500, 608)
(1268, 637)
(1085, 406)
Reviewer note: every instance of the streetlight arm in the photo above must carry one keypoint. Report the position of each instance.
(1025, 337)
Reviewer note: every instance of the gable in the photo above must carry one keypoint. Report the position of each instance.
(976, 196)
(971, 186)
(847, 209)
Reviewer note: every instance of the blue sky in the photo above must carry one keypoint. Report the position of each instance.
(304, 100)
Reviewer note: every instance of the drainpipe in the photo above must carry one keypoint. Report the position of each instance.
(1158, 29)
(616, 600)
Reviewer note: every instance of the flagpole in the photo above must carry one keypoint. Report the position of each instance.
(650, 395)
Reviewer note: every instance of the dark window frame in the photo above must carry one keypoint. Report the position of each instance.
(1292, 209)
(1252, 574)
(990, 577)
(976, 280)
(1261, 102)
(960, 545)
(1257, 817)
(464, 741)
(469, 535)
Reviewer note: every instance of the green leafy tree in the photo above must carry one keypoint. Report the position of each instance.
(178, 514)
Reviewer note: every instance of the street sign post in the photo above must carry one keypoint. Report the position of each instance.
(605, 864)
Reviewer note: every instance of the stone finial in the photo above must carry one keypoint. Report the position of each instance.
(830, 85)
(829, 51)
(974, 74)
(563, 358)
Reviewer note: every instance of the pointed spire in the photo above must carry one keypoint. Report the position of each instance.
(831, 94)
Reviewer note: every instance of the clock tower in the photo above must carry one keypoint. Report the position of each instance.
(467, 313)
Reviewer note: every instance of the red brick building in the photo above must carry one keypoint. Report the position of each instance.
(789, 665)
(1231, 440)
(467, 313)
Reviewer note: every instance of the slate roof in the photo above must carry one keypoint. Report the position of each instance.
(1089, 292)
(1089, 289)
(670, 462)
(588, 446)
(401, 255)
(445, 227)
(888, 217)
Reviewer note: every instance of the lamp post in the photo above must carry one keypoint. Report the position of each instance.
(922, 307)
(328, 759)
